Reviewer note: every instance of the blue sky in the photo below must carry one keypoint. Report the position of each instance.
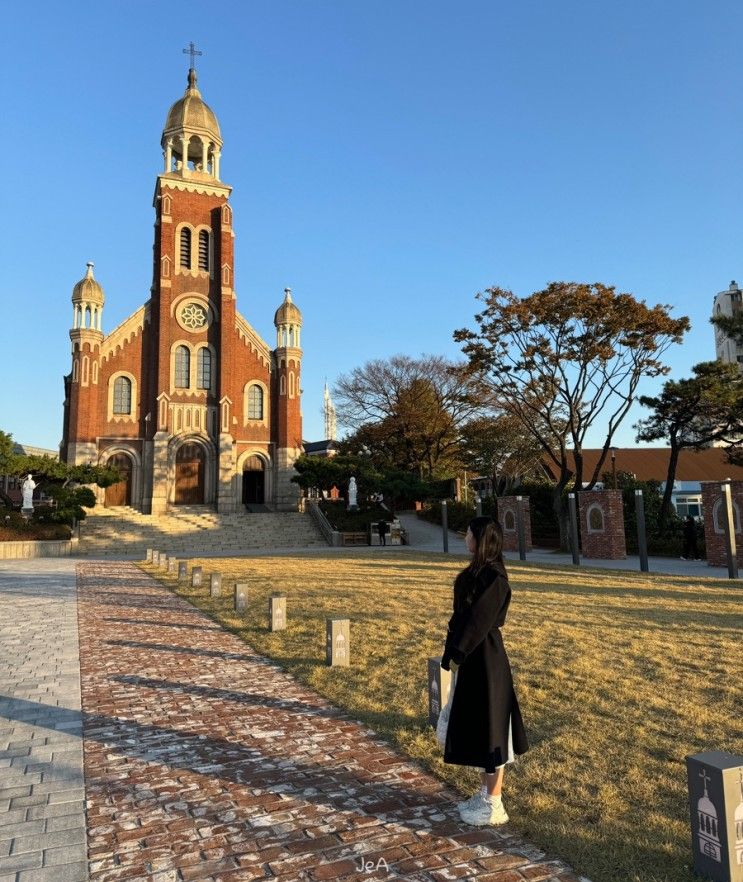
(388, 159)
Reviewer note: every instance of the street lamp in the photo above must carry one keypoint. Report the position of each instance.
(614, 465)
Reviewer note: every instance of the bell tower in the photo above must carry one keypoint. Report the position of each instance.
(193, 315)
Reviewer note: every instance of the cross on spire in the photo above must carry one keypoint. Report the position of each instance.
(706, 778)
(193, 52)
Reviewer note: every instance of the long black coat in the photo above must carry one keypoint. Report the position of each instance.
(484, 696)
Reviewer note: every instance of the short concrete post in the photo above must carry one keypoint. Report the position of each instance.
(338, 642)
(148, 555)
(729, 528)
(172, 565)
(445, 524)
(241, 596)
(182, 570)
(439, 683)
(215, 584)
(642, 537)
(277, 612)
(478, 506)
(520, 527)
(715, 781)
(574, 547)
(196, 576)
(155, 557)
(163, 560)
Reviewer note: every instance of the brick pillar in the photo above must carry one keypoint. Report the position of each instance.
(714, 521)
(601, 516)
(507, 507)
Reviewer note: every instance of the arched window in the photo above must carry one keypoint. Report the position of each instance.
(718, 517)
(122, 395)
(509, 521)
(595, 518)
(255, 403)
(182, 367)
(203, 250)
(186, 248)
(204, 368)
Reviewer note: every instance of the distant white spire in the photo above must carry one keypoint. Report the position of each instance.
(329, 410)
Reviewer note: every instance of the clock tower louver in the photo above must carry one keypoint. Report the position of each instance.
(184, 396)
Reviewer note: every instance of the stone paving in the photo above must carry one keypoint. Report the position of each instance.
(42, 815)
(205, 761)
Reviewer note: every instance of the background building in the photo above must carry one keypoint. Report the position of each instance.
(726, 303)
(184, 396)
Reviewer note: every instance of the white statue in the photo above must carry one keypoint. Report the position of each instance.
(352, 493)
(29, 485)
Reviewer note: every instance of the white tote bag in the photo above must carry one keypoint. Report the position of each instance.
(442, 723)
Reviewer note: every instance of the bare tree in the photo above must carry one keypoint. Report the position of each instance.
(418, 405)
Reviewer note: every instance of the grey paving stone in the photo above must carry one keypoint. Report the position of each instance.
(64, 822)
(70, 794)
(22, 828)
(42, 841)
(62, 809)
(75, 852)
(20, 862)
(77, 872)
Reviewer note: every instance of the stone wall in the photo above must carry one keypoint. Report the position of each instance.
(507, 508)
(42, 548)
(601, 518)
(714, 520)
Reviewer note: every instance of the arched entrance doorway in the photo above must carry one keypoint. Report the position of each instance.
(121, 492)
(254, 481)
(190, 463)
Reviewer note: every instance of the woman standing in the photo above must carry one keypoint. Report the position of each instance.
(485, 726)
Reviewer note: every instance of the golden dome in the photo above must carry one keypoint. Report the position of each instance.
(288, 313)
(192, 114)
(87, 289)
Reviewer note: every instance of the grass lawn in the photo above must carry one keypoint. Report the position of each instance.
(619, 676)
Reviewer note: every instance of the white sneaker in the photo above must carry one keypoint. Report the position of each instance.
(472, 802)
(490, 811)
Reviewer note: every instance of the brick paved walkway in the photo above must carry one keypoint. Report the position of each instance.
(42, 816)
(205, 761)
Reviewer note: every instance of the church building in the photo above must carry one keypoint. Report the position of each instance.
(184, 397)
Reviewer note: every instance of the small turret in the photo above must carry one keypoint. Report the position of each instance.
(87, 304)
(288, 321)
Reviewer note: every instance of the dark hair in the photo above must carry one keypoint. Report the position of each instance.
(488, 551)
(489, 542)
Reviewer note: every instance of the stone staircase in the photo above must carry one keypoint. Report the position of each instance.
(190, 531)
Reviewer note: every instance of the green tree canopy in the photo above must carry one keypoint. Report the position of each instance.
(693, 413)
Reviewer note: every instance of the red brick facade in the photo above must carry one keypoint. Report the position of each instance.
(714, 521)
(507, 508)
(214, 414)
(601, 517)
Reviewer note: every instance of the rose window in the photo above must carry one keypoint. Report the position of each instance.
(193, 316)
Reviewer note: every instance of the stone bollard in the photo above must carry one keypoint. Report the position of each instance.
(172, 565)
(338, 642)
(155, 558)
(148, 555)
(215, 584)
(241, 596)
(715, 782)
(182, 570)
(163, 561)
(196, 576)
(439, 683)
(277, 612)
